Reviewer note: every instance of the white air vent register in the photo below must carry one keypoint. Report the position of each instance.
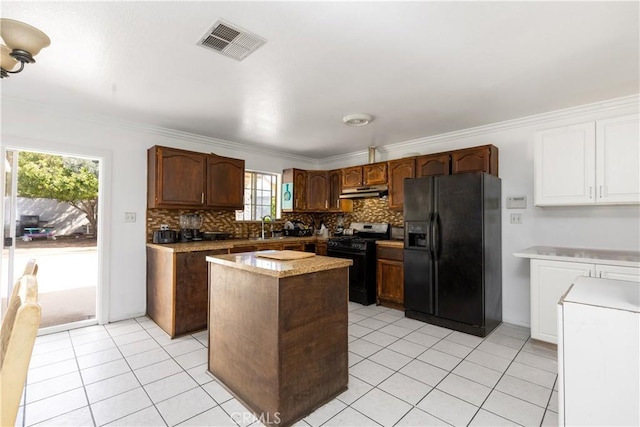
(230, 40)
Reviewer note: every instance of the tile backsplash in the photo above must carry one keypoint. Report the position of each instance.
(364, 210)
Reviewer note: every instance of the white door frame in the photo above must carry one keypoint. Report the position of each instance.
(104, 221)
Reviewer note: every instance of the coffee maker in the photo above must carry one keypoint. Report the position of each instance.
(190, 228)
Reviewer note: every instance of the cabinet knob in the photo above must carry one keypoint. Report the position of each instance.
(202, 199)
(601, 191)
(590, 192)
(326, 204)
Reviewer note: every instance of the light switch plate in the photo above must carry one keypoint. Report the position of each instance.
(517, 202)
(129, 217)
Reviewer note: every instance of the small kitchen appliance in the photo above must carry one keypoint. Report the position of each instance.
(358, 243)
(190, 228)
(164, 235)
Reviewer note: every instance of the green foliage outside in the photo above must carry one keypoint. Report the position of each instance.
(66, 179)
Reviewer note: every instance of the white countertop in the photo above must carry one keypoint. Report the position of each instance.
(592, 256)
(615, 294)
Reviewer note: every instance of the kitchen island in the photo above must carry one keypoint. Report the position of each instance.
(278, 331)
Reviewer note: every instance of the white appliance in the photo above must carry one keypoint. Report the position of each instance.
(599, 353)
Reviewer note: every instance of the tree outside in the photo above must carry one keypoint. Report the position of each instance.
(66, 179)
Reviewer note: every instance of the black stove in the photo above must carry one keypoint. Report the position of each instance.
(360, 247)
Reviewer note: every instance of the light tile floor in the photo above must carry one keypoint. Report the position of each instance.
(402, 373)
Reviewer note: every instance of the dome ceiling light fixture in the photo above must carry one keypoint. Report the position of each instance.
(357, 119)
(23, 42)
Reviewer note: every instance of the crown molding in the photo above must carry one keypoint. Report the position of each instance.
(626, 102)
(356, 157)
(111, 122)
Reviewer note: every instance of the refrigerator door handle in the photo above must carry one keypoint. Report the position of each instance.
(430, 237)
(435, 239)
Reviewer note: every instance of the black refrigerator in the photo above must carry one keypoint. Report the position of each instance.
(453, 250)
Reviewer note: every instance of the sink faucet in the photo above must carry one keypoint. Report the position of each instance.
(262, 224)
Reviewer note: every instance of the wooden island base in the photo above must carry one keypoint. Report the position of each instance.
(278, 333)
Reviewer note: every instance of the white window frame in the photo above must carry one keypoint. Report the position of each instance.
(253, 187)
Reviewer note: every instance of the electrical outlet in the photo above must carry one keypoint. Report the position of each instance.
(129, 217)
(516, 218)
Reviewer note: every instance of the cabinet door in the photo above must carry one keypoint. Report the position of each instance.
(225, 182)
(390, 282)
(317, 191)
(618, 160)
(293, 247)
(564, 165)
(300, 190)
(629, 274)
(433, 165)
(352, 177)
(374, 174)
(335, 188)
(192, 292)
(399, 170)
(176, 178)
(321, 249)
(241, 249)
(549, 281)
(476, 159)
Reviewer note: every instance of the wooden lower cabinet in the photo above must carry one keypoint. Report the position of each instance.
(177, 291)
(321, 248)
(292, 247)
(390, 277)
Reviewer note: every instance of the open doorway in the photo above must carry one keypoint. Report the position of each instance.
(50, 215)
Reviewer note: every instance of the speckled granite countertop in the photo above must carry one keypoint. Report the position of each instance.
(270, 267)
(594, 256)
(391, 243)
(212, 245)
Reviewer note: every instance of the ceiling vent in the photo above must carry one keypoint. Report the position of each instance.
(230, 40)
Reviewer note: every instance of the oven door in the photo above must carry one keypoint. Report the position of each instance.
(361, 279)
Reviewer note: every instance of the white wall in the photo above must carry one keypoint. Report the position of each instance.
(605, 227)
(124, 146)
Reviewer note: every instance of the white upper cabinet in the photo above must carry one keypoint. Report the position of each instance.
(589, 163)
(565, 161)
(618, 160)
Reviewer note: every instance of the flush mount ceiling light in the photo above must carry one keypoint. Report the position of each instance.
(357, 119)
(23, 42)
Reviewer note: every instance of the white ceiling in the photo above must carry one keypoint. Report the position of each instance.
(420, 68)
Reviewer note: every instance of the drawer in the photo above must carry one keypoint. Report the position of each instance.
(394, 254)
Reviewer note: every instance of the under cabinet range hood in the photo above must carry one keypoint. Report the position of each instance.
(363, 192)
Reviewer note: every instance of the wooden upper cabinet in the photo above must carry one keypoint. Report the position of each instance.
(175, 178)
(300, 193)
(352, 177)
(374, 174)
(433, 165)
(399, 170)
(185, 179)
(335, 188)
(294, 190)
(317, 191)
(477, 159)
(225, 182)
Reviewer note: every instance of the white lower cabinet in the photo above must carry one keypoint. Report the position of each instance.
(551, 279)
